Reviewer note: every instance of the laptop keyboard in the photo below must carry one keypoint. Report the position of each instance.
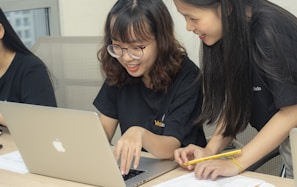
(132, 173)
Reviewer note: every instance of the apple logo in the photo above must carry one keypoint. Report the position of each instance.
(59, 146)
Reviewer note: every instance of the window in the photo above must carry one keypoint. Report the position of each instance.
(33, 18)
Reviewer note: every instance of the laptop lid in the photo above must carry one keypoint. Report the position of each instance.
(72, 145)
(293, 142)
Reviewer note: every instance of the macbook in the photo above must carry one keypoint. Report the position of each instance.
(293, 141)
(72, 145)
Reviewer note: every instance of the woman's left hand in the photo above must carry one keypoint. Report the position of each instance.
(212, 169)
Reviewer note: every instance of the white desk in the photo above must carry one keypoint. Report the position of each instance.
(11, 179)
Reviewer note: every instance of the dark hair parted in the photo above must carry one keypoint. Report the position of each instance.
(248, 41)
(140, 20)
(10, 39)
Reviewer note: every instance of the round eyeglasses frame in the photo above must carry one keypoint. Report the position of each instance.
(135, 52)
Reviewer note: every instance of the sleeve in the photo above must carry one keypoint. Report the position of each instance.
(106, 101)
(284, 64)
(284, 94)
(36, 87)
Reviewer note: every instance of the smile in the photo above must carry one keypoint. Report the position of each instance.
(202, 37)
(133, 67)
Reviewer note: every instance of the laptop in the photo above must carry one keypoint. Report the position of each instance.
(293, 142)
(71, 145)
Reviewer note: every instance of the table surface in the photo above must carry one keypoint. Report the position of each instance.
(12, 179)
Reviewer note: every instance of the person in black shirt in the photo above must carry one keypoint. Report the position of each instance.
(152, 89)
(249, 67)
(24, 78)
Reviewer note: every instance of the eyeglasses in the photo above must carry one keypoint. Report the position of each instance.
(135, 52)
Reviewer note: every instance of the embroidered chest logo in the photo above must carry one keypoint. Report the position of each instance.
(257, 88)
(160, 123)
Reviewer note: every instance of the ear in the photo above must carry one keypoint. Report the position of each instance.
(2, 31)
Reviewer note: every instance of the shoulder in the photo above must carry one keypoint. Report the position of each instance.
(270, 21)
(27, 60)
(271, 29)
(189, 67)
(188, 77)
(187, 63)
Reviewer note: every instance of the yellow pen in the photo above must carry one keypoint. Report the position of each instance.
(222, 155)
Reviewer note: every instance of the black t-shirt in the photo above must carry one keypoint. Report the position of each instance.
(170, 114)
(27, 81)
(269, 94)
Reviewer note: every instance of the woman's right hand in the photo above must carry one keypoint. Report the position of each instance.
(128, 147)
(188, 153)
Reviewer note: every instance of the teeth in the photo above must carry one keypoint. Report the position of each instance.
(132, 65)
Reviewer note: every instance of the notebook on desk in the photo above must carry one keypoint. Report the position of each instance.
(71, 145)
(293, 142)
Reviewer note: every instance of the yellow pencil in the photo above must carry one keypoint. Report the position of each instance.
(222, 155)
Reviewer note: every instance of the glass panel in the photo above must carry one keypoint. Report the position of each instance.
(29, 24)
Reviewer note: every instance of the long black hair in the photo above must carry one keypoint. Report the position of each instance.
(10, 39)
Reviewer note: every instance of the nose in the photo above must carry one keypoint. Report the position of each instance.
(125, 56)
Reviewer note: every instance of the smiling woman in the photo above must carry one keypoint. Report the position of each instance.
(152, 89)
(248, 67)
(206, 23)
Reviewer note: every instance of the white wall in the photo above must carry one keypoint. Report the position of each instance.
(87, 17)
(188, 39)
(287, 4)
(83, 17)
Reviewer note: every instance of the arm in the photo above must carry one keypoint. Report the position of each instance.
(130, 144)
(264, 142)
(1, 119)
(109, 125)
(216, 144)
(160, 146)
(270, 136)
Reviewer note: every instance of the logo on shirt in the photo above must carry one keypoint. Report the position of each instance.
(160, 123)
(257, 88)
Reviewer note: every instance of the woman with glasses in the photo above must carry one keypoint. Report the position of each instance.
(152, 89)
(24, 78)
(249, 67)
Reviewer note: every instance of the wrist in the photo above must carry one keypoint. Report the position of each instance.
(238, 165)
(210, 151)
(140, 131)
(217, 144)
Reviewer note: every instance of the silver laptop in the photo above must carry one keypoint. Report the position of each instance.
(72, 145)
(293, 141)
